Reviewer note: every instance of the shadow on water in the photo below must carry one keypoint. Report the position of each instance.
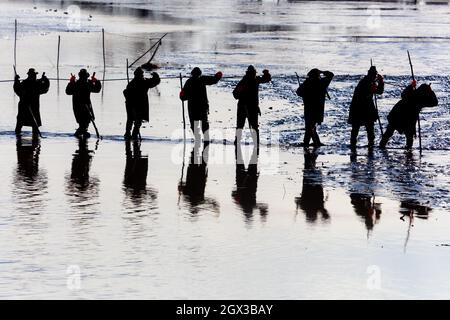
(135, 180)
(82, 188)
(30, 183)
(312, 200)
(246, 187)
(193, 189)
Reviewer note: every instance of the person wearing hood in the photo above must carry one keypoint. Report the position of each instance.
(247, 94)
(362, 108)
(81, 90)
(313, 91)
(29, 91)
(136, 101)
(194, 92)
(403, 116)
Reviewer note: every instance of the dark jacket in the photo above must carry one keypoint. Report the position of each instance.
(29, 91)
(362, 108)
(194, 91)
(313, 92)
(136, 97)
(247, 91)
(404, 114)
(81, 98)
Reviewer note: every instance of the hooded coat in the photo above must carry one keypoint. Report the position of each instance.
(313, 91)
(194, 91)
(362, 107)
(404, 114)
(29, 91)
(136, 97)
(247, 91)
(81, 98)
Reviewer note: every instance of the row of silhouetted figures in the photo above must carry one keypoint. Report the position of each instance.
(83, 187)
(363, 111)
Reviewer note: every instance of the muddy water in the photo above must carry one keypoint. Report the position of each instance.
(136, 223)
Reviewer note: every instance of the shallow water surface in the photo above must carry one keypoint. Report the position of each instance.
(136, 221)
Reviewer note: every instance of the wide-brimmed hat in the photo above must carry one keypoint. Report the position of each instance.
(32, 71)
(83, 73)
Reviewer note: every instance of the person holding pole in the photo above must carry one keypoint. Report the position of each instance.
(194, 91)
(81, 90)
(313, 91)
(136, 101)
(404, 115)
(29, 91)
(362, 108)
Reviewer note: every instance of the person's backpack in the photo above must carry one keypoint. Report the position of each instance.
(237, 92)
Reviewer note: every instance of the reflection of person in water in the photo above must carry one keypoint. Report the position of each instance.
(28, 158)
(362, 190)
(29, 181)
(366, 208)
(412, 207)
(135, 176)
(193, 189)
(247, 185)
(408, 185)
(136, 168)
(311, 201)
(81, 186)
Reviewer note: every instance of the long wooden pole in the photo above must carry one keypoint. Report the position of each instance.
(15, 43)
(418, 115)
(57, 58)
(140, 57)
(376, 106)
(104, 56)
(128, 76)
(182, 105)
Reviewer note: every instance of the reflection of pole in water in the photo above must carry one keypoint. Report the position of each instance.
(411, 218)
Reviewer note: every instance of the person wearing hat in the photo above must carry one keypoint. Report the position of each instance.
(29, 91)
(313, 91)
(194, 91)
(362, 108)
(247, 94)
(136, 101)
(81, 90)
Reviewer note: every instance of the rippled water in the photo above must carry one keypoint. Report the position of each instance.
(137, 223)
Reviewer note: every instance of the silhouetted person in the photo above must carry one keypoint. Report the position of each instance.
(313, 91)
(81, 90)
(136, 101)
(247, 92)
(362, 109)
(366, 208)
(311, 201)
(29, 91)
(194, 91)
(404, 114)
(247, 185)
(136, 169)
